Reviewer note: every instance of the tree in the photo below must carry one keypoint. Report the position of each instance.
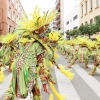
(97, 20)
(68, 33)
(93, 28)
(75, 32)
(84, 29)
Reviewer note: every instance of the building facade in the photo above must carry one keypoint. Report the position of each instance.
(60, 18)
(53, 26)
(71, 20)
(10, 12)
(88, 10)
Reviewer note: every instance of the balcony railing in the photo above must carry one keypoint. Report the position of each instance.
(57, 17)
(57, 2)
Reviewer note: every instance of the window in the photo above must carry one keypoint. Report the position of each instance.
(16, 19)
(9, 12)
(86, 7)
(86, 22)
(67, 23)
(82, 10)
(13, 16)
(19, 9)
(70, 20)
(82, 24)
(91, 4)
(9, 30)
(59, 10)
(97, 3)
(16, 4)
(58, 28)
(91, 21)
(75, 27)
(13, 29)
(13, 1)
(75, 17)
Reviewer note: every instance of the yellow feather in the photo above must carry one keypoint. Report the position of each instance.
(51, 65)
(56, 56)
(51, 97)
(1, 76)
(70, 75)
(58, 96)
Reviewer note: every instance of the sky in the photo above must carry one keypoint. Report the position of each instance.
(45, 5)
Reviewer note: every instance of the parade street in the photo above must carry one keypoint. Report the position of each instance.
(82, 87)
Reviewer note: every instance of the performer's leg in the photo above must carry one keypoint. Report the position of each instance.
(94, 68)
(50, 78)
(86, 63)
(73, 62)
(49, 75)
(36, 92)
(9, 69)
(9, 95)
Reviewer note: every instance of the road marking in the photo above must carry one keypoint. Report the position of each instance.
(5, 85)
(91, 81)
(65, 86)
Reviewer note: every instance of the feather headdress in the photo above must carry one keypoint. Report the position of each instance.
(37, 24)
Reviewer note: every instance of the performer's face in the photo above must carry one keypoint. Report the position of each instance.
(45, 40)
(45, 27)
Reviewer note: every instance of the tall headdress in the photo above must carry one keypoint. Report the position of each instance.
(37, 24)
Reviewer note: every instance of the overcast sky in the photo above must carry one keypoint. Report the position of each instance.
(45, 5)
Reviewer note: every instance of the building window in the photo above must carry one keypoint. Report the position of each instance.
(86, 22)
(91, 4)
(58, 28)
(9, 12)
(16, 4)
(75, 27)
(13, 30)
(70, 20)
(75, 17)
(82, 24)
(13, 16)
(82, 9)
(91, 21)
(67, 23)
(13, 1)
(19, 9)
(16, 19)
(97, 3)
(59, 10)
(9, 29)
(86, 7)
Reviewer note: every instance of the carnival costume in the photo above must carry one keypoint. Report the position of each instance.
(95, 54)
(8, 50)
(30, 64)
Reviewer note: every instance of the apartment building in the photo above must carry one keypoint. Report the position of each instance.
(88, 10)
(72, 19)
(53, 26)
(60, 18)
(10, 12)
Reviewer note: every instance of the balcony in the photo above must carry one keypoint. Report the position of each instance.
(57, 7)
(57, 2)
(58, 24)
(58, 17)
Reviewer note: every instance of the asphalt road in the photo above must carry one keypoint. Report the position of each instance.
(82, 87)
